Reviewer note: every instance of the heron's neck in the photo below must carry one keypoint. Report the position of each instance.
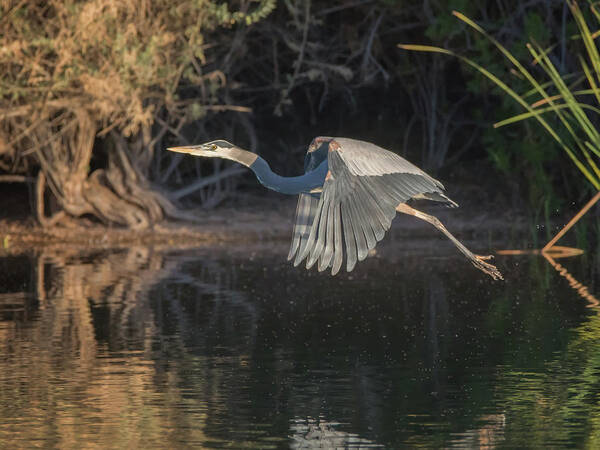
(269, 179)
(289, 185)
(286, 185)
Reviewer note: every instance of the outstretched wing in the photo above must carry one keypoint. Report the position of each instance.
(364, 186)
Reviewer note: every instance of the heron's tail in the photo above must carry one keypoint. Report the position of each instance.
(437, 197)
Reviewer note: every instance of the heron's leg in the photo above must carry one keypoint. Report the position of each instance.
(477, 260)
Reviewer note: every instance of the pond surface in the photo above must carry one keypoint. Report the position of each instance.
(208, 348)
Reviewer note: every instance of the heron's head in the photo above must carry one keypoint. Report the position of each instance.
(212, 149)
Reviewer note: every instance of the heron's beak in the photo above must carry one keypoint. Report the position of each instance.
(185, 149)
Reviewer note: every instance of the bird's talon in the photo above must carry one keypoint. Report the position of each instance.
(488, 268)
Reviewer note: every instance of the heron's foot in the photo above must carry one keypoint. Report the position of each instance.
(488, 268)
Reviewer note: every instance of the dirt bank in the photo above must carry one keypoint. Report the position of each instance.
(269, 219)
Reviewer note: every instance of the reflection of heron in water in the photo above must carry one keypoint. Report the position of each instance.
(350, 193)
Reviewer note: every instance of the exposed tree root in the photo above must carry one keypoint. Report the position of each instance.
(118, 194)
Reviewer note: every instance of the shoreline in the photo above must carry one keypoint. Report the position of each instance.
(267, 224)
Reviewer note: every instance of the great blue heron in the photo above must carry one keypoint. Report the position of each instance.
(348, 185)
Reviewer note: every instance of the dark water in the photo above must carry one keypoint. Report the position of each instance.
(146, 348)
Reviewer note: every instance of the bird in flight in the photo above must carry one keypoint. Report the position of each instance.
(348, 196)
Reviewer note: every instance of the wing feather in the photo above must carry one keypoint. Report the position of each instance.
(365, 218)
(338, 255)
(327, 254)
(380, 225)
(320, 240)
(397, 189)
(314, 207)
(304, 219)
(384, 191)
(349, 236)
(405, 187)
(361, 242)
(297, 227)
(311, 237)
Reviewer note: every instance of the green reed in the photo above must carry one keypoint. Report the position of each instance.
(570, 124)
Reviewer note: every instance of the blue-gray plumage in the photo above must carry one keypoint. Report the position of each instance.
(348, 196)
(289, 185)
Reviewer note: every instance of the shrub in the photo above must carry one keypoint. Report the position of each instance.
(75, 71)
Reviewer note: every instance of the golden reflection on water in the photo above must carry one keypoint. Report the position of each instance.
(67, 384)
(551, 255)
(580, 288)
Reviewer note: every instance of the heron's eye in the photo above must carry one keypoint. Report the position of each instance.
(213, 146)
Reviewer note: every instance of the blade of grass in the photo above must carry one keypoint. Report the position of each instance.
(595, 12)
(590, 78)
(591, 162)
(547, 84)
(586, 35)
(528, 115)
(560, 97)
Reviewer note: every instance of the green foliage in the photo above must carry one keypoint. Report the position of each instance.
(541, 89)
